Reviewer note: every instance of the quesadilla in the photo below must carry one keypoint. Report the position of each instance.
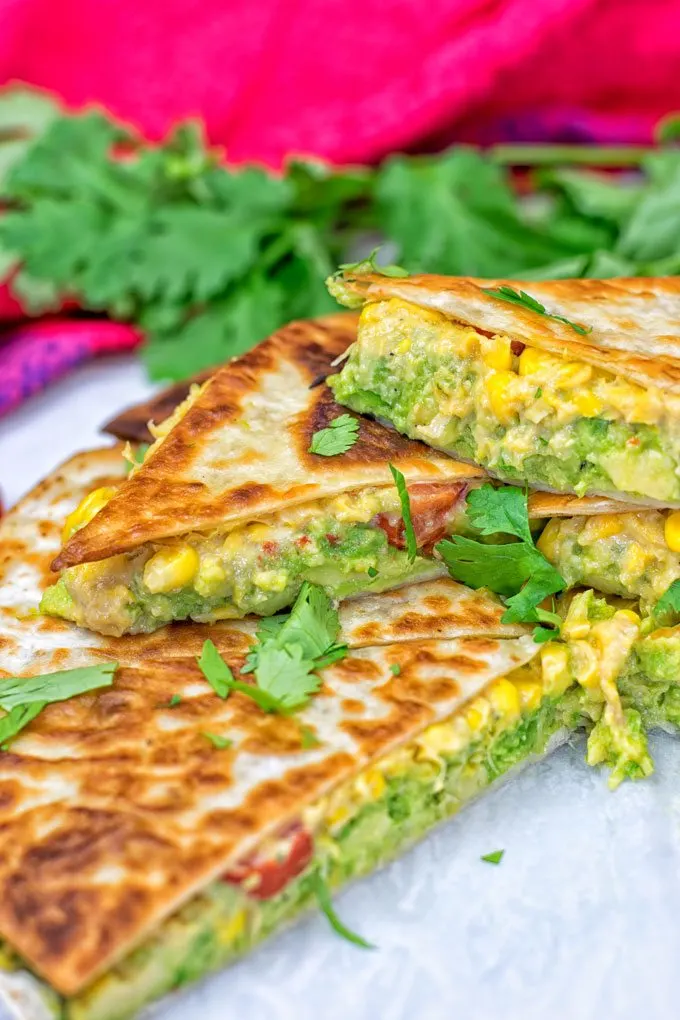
(230, 512)
(567, 385)
(154, 854)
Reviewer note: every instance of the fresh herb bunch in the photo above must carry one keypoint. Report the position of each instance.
(208, 259)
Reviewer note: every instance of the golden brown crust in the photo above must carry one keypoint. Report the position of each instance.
(635, 322)
(132, 424)
(115, 808)
(242, 449)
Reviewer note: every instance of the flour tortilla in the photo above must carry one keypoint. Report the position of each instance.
(116, 810)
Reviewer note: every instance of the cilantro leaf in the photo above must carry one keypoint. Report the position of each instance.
(221, 743)
(502, 510)
(286, 676)
(215, 670)
(339, 436)
(495, 857)
(409, 531)
(543, 634)
(323, 897)
(313, 623)
(51, 687)
(308, 738)
(520, 297)
(15, 721)
(395, 669)
(669, 601)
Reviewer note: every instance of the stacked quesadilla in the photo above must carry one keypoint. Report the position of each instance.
(203, 782)
(176, 827)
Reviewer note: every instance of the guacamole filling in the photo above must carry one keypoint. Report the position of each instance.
(349, 544)
(634, 555)
(370, 819)
(521, 413)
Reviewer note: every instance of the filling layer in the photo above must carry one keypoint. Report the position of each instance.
(371, 818)
(634, 555)
(349, 544)
(519, 412)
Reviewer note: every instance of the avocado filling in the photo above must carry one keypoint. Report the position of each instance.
(521, 413)
(372, 818)
(630, 555)
(349, 544)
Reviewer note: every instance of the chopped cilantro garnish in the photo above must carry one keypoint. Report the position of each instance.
(323, 896)
(538, 393)
(395, 669)
(543, 634)
(495, 857)
(372, 572)
(285, 658)
(411, 542)
(516, 570)
(308, 738)
(52, 687)
(23, 698)
(520, 297)
(669, 601)
(339, 436)
(175, 700)
(221, 743)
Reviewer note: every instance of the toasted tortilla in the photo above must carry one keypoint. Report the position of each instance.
(115, 810)
(132, 424)
(241, 450)
(634, 323)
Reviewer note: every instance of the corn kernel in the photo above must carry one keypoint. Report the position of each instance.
(440, 737)
(585, 664)
(530, 694)
(498, 354)
(232, 929)
(86, 510)
(404, 346)
(371, 785)
(604, 526)
(555, 666)
(339, 815)
(504, 698)
(532, 360)
(547, 541)
(634, 561)
(628, 614)
(499, 387)
(587, 404)
(271, 580)
(477, 715)
(672, 531)
(257, 532)
(170, 568)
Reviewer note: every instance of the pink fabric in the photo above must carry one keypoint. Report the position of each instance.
(349, 82)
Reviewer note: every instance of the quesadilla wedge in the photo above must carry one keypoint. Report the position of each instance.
(154, 854)
(567, 385)
(230, 512)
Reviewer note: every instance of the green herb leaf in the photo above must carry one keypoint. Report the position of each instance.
(520, 297)
(502, 510)
(409, 531)
(221, 743)
(175, 700)
(286, 677)
(669, 601)
(19, 717)
(495, 857)
(215, 670)
(51, 687)
(372, 572)
(543, 634)
(338, 437)
(138, 455)
(308, 738)
(395, 669)
(323, 896)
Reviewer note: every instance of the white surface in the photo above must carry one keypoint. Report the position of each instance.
(580, 921)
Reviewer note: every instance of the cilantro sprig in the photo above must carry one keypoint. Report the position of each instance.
(285, 660)
(23, 698)
(339, 436)
(669, 602)
(370, 265)
(520, 297)
(516, 570)
(323, 897)
(409, 530)
(495, 857)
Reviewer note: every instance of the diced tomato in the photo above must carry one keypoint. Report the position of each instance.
(332, 539)
(270, 548)
(431, 506)
(516, 346)
(262, 876)
(302, 541)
